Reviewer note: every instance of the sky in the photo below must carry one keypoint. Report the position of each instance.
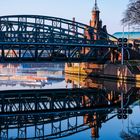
(111, 10)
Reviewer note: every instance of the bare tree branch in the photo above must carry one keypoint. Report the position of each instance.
(132, 13)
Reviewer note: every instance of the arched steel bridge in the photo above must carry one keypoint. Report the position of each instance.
(43, 38)
(33, 110)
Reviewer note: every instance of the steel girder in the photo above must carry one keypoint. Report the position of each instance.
(38, 38)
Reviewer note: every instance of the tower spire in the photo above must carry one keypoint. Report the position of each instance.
(95, 8)
(95, 3)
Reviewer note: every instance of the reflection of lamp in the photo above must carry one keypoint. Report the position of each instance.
(123, 111)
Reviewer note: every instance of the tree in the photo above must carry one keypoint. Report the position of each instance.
(132, 134)
(132, 13)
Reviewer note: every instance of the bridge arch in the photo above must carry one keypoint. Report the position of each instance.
(42, 27)
(40, 37)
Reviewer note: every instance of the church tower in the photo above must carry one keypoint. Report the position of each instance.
(95, 20)
(91, 34)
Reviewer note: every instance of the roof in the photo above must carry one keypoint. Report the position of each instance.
(130, 35)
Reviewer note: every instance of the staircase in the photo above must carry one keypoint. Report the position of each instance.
(133, 69)
(133, 90)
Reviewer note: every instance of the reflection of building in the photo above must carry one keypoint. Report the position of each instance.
(32, 75)
(94, 120)
(111, 96)
(8, 69)
(43, 65)
(94, 123)
(88, 82)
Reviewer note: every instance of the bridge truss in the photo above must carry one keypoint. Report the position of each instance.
(43, 38)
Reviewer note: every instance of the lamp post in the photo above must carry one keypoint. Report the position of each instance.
(122, 49)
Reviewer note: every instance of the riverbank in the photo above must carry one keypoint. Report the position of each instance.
(130, 71)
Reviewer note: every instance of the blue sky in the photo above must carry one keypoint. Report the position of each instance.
(111, 10)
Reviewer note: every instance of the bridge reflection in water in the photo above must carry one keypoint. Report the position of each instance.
(53, 114)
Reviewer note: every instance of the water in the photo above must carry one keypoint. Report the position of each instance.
(81, 108)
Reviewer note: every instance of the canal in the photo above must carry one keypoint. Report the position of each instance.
(41, 101)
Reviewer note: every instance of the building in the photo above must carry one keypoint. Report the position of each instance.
(114, 68)
(86, 68)
(133, 37)
(129, 35)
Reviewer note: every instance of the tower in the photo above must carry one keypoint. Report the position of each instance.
(93, 35)
(95, 19)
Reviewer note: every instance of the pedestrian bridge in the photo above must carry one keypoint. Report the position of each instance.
(32, 38)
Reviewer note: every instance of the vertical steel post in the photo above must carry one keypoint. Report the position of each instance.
(122, 52)
(122, 49)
